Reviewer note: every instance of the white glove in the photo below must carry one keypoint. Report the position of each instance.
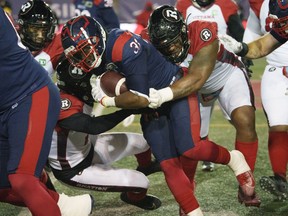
(158, 97)
(230, 43)
(98, 94)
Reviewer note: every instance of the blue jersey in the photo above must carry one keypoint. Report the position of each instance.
(20, 73)
(142, 65)
(101, 10)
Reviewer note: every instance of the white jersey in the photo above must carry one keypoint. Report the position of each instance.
(257, 27)
(69, 149)
(274, 102)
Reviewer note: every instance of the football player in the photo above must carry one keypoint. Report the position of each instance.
(37, 24)
(274, 102)
(215, 77)
(29, 109)
(225, 14)
(81, 155)
(172, 131)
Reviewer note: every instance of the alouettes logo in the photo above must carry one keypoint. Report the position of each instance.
(65, 104)
(206, 34)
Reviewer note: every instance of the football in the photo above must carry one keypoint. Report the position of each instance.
(113, 83)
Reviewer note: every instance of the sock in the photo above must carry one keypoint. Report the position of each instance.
(144, 159)
(189, 166)
(249, 150)
(34, 195)
(206, 150)
(9, 196)
(278, 149)
(179, 184)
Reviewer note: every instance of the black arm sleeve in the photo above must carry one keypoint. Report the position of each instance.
(235, 27)
(94, 125)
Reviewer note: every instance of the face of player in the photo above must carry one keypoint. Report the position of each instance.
(86, 57)
(37, 34)
(174, 49)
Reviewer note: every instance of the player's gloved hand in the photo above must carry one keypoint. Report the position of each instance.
(232, 45)
(248, 63)
(158, 97)
(98, 94)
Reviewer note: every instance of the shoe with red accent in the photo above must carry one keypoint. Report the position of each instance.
(246, 192)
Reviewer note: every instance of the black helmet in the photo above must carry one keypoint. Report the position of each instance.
(35, 16)
(74, 81)
(204, 3)
(279, 11)
(84, 42)
(166, 27)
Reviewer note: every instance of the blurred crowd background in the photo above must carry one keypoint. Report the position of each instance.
(128, 11)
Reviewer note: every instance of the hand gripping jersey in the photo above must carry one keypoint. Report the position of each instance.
(29, 76)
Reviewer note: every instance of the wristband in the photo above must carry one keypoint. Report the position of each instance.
(108, 101)
(244, 50)
(166, 94)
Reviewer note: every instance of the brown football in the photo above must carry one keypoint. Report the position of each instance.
(113, 83)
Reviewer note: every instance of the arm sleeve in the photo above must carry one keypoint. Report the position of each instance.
(235, 27)
(93, 125)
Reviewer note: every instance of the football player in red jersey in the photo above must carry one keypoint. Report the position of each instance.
(214, 78)
(225, 14)
(274, 77)
(172, 131)
(29, 109)
(37, 23)
(81, 153)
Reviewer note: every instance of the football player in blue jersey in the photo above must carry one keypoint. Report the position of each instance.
(173, 130)
(101, 10)
(29, 109)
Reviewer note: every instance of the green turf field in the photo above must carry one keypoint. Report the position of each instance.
(216, 191)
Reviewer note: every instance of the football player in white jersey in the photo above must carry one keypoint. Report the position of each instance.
(81, 155)
(225, 14)
(274, 102)
(213, 71)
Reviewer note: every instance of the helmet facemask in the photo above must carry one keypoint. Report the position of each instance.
(84, 42)
(280, 25)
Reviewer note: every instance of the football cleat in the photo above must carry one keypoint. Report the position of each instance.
(80, 205)
(207, 166)
(152, 168)
(246, 191)
(276, 186)
(149, 202)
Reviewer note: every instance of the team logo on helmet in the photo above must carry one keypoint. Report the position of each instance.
(26, 7)
(65, 104)
(170, 15)
(75, 72)
(206, 34)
